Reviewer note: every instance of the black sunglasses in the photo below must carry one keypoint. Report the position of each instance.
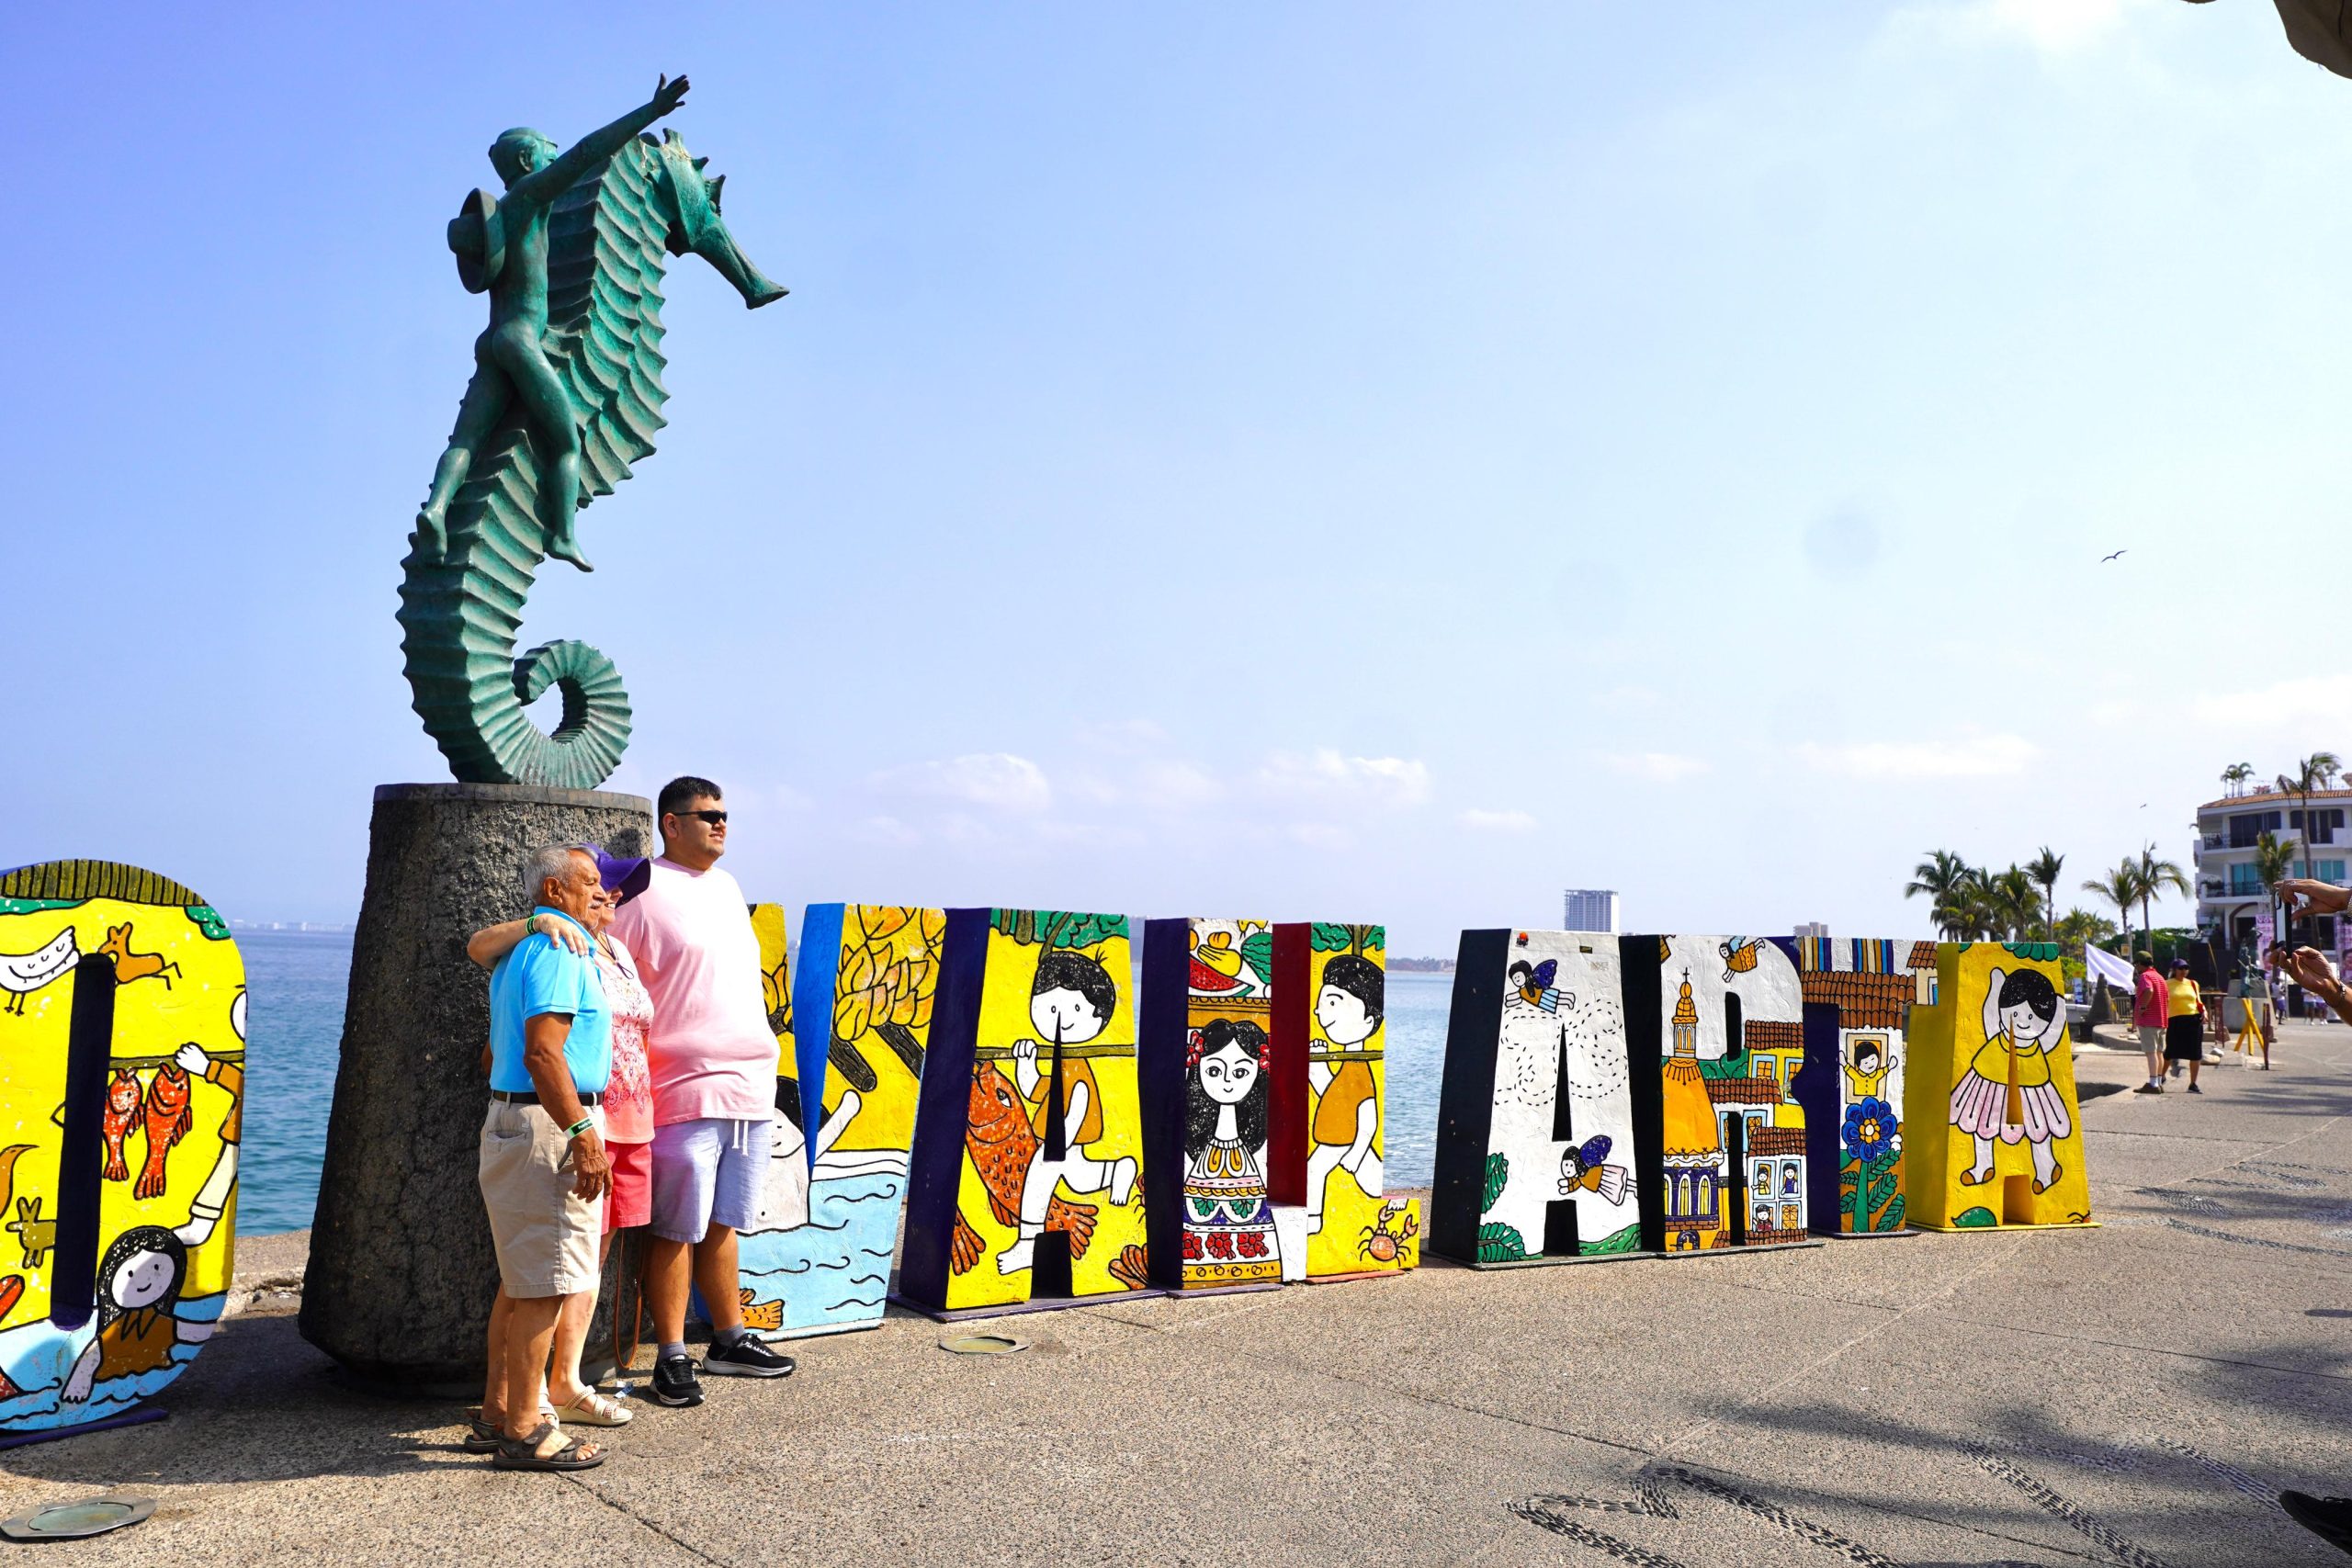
(716, 818)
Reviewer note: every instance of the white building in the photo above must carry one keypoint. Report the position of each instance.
(1591, 909)
(2229, 897)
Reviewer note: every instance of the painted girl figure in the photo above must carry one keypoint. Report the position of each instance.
(1228, 1225)
(1346, 1128)
(2008, 1092)
(1070, 1003)
(138, 1287)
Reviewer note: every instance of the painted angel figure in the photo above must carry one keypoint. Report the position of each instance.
(2008, 1092)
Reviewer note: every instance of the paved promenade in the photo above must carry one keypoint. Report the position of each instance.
(2131, 1393)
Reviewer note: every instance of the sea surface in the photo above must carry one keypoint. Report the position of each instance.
(296, 982)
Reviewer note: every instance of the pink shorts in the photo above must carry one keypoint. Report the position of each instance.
(632, 1203)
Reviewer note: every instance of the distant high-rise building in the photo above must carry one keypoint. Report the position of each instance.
(1815, 929)
(1591, 909)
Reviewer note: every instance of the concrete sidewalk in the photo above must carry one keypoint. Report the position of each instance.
(2138, 1391)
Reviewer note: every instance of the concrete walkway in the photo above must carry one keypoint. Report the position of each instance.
(2131, 1393)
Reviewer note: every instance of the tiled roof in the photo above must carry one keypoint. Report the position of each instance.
(1863, 1001)
(1776, 1140)
(1767, 1035)
(1743, 1091)
(2271, 800)
(1923, 956)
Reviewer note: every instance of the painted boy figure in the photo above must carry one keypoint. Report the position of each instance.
(1070, 1003)
(503, 248)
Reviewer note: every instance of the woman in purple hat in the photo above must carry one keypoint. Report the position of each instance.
(627, 1106)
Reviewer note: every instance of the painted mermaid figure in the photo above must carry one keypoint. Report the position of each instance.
(2008, 1092)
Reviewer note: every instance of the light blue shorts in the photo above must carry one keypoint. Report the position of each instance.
(708, 1172)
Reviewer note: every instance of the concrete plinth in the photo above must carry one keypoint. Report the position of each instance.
(400, 1272)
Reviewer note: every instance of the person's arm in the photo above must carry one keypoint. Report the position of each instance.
(2311, 970)
(543, 1037)
(490, 943)
(546, 185)
(2319, 898)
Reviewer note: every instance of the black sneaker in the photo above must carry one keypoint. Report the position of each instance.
(675, 1383)
(2194, 1090)
(2154, 1086)
(2330, 1519)
(747, 1358)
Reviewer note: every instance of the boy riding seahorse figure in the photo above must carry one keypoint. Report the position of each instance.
(502, 249)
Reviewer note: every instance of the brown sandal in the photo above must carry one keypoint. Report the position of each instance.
(522, 1453)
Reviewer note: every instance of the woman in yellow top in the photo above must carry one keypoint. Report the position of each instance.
(2007, 1093)
(2185, 1022)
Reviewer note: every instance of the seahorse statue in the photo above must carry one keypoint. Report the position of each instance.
(461, 596)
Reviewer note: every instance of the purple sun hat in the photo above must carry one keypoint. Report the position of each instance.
(624, 878)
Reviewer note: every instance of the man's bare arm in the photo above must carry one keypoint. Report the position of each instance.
(544, 185)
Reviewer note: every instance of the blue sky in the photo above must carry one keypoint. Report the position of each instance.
(1345, 461)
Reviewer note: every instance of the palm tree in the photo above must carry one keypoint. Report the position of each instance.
(2045, 868)
(2013, 902)
(1964, 913)
(2234, 777)
(2156, 876)
(2311, 772)
(2119, 889)
(2273, 862)
(2079, 929)
(1936, 877)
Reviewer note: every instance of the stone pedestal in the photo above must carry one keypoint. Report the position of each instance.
(401, 1271)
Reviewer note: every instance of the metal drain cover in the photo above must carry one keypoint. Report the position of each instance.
(983, 1344)
(67, 1521)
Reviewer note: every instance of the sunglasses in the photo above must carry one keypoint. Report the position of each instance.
(714, 819)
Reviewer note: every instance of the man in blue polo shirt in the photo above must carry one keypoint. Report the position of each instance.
(544, 1172)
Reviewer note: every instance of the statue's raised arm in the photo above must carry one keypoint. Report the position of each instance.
(564, 400)
(545, 184)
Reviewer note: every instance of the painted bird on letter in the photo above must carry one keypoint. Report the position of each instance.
(123, 1109)
(168, 1120)
(22, 973)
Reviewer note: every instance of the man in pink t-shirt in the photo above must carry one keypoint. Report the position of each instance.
(2149, 1004)
(714, 1066)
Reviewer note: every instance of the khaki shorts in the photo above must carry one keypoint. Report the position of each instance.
(2152, 1040)
(545, 1235)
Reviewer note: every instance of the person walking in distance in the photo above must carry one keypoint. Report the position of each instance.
(2151, 1010)
(713, 1062)
(2185, 1025)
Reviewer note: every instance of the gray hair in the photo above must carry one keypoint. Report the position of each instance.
(554, 863)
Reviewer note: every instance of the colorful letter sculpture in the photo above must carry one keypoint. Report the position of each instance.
(1329, 1089)
(1993, 1135)
(1027, 1184)
(1207, 1021)
(1858, 999)
(1724, 1019)
(1537, 1157)
(122, 1080)
(852, 1034)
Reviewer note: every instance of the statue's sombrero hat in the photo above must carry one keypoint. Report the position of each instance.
(479, 241)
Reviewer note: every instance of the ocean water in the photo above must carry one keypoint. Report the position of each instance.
(853, 1221)
(296, 982)
(1417, 1005)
